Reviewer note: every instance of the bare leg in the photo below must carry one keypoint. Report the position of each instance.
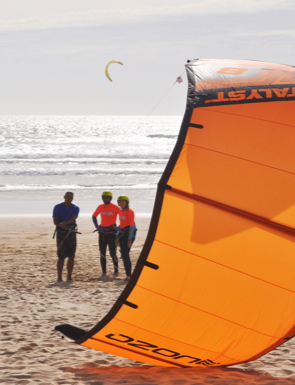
(60, 265)
(70, 267)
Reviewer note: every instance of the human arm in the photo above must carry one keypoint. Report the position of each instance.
(74, 215)
(94, 220)
(70, 221)
(95, 215)
(65, 224)
(131, 217)
(130, 236)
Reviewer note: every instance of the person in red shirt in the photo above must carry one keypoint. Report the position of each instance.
(107, 230)
(126, 232)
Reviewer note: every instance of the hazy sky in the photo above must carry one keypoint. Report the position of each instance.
(53, 53)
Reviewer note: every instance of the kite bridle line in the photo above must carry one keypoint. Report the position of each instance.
(101, 255)
(165, 94)
(69, 231)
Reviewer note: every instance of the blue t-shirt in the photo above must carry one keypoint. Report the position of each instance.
(64, 213)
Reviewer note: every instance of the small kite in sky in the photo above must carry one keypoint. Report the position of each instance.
(107, 67)
(179, 79)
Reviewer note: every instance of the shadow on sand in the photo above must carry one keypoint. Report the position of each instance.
(147, 375)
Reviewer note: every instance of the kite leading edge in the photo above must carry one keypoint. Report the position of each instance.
(215, 281)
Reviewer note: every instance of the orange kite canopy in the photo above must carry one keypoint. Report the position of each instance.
(215, 281)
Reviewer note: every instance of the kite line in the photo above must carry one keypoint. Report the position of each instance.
(178, 80)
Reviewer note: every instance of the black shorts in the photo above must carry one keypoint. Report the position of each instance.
(66, 243)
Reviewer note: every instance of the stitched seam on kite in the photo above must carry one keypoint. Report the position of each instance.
(237, 157)
(247, 117)
(228, 267)
(173, 339)
(206, 312)
(231, 209)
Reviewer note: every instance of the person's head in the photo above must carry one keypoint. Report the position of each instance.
(123, 201)
(106, 197)
(69, 196)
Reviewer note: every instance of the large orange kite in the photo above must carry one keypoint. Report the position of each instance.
(215, 281)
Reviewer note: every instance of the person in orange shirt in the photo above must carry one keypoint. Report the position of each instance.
(126, 232)
(107, 230)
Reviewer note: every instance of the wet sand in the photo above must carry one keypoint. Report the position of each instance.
(32, 304)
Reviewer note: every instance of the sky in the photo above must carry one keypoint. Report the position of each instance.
(53, 53)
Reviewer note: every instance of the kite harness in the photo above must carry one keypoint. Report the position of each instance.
(106, 230)
(125, 232)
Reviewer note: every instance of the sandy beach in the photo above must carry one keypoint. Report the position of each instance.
(32, 304)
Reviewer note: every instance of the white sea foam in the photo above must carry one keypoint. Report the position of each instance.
(89, 160)
(43, 156)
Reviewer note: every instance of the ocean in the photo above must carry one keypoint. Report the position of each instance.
(42, 157)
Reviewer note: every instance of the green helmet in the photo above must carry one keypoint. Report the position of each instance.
(123, 198)
(107, 193)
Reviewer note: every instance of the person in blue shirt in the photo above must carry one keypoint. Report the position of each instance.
(64, 217)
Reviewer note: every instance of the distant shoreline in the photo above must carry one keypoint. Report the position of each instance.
(49, 215)
(42, 205)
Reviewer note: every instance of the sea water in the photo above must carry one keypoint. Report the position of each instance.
(42, 157)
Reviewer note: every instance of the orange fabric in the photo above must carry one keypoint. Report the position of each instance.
(216, 285)
(108, 214)
(126, 218)
(243, 161)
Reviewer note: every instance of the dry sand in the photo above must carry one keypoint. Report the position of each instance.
(32, 304)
